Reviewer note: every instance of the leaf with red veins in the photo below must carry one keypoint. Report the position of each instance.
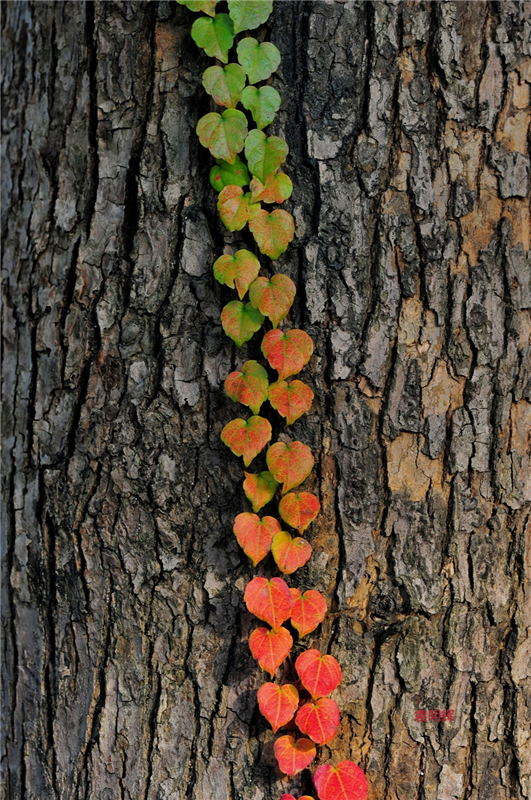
(320, 675)
(269, 600)
(255, 535)
(309, 610)
(290, 464)
(248, 386)
(293, 755)
(299, 509)
(288, 351)
(290, 553)
(291, 400)
(344, 782)
(277, 188)
(259, 488)
(278, 704)
(319, 720)
(270, 648)
(246, 437)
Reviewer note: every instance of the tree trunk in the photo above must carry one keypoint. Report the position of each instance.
(127, 668)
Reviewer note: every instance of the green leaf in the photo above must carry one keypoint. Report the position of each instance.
(259, 489)
(208, 6)
(258, 60)
(273, 232)
(215, 36)
(224, 135)
(263, 104)
(233, 209)
(249, 14)
(240, 269)
(277, 188)
(226, 174)
(254, 208)
(264, 154)
(225, 84)
(241, 321)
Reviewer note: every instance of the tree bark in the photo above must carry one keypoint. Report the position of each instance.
(127, 668)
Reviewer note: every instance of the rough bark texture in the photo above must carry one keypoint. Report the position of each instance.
(127, 670)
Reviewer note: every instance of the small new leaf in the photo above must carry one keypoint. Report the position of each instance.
(278, 704)
(225, 174)
(264, 154)
(215, 36)
(225, 134)
(239, 270)
(293, 756)
(208, 6)
(272, 231)
(255, 535)
(308, 611)
(269, 600)
(249, 14)
(249, 386)
(273, 296)
(291, 400)
(258, 60)
(277, 188)
(287, 352)
(298, 510)
(319, 720)
(320, 675)
(344, 782)
(225, 84)
(259, 489)
(290, 464)
(263, 104)
(246, 437)
(270, 648)
(290, 553)
(241, 321)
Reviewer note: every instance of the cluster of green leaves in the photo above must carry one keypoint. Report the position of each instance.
(272, 601)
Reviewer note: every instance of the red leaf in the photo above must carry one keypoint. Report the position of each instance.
(270, 648)
(298, 510)
(278, 704)
(309, 610)
(246, 437)
(287, 352)
(255, 535)
(344, 782)
(293, 756)
(319, 720)
(295, 594)
(290, 464)
(269, 600)
(248, 386)
(291, 400)
(240, 269)
(320, 675)
(259, 489)
(289, 553)
(273, 297)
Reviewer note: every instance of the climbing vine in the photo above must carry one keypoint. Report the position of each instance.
(271, 600)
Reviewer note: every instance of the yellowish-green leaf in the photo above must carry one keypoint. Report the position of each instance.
(263, 104)
(232, 207)
(258, 60)
(215, 35)
(264, 154)
(225, 84)
(249, 14)
(208, 6)
(225, 174)
(240, 321)
(272, 232)
(224, 135)
(239, 270)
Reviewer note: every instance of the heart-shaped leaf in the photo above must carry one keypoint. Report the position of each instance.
(239, 270)
(270, 648)
(259, 489)
(241, 321)
(258, 60)
(272, 231)
(264, 154)
(208, 6)
(249, 14)
(290, 553)
(287, 352)
(277, 188)
(233, 209)
(319, 720)
(254, 208)
(291, 400)
(223, 134)
(246, 437)
(215, 36)
(273, 297)
(289, 464)
(225, 174)
(344, 782)
(309, 610)
(255, 535)
(249, 386)
(269, 600)
(293, 756)
(278, 704)
(225, 84)
(320, 675)
(263, 104)
(298, 510)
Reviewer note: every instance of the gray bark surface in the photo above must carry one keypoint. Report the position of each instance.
(127, 673)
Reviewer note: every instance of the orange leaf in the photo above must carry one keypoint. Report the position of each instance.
(320, 675)
(289, 553)
(298, 510)
(240, 269)
(309, 610)
(248, 386)
(278, 704)
(293, 756)
(269, 600)
(287, 352)
(259, 489)
(272, 231)
(246, 437)
(255, 535)
(233, 209)
(270, 648)
(319, 720)
(344, 782)
(290, 464)
(273, 297)
(291, 400)
(295, 593)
